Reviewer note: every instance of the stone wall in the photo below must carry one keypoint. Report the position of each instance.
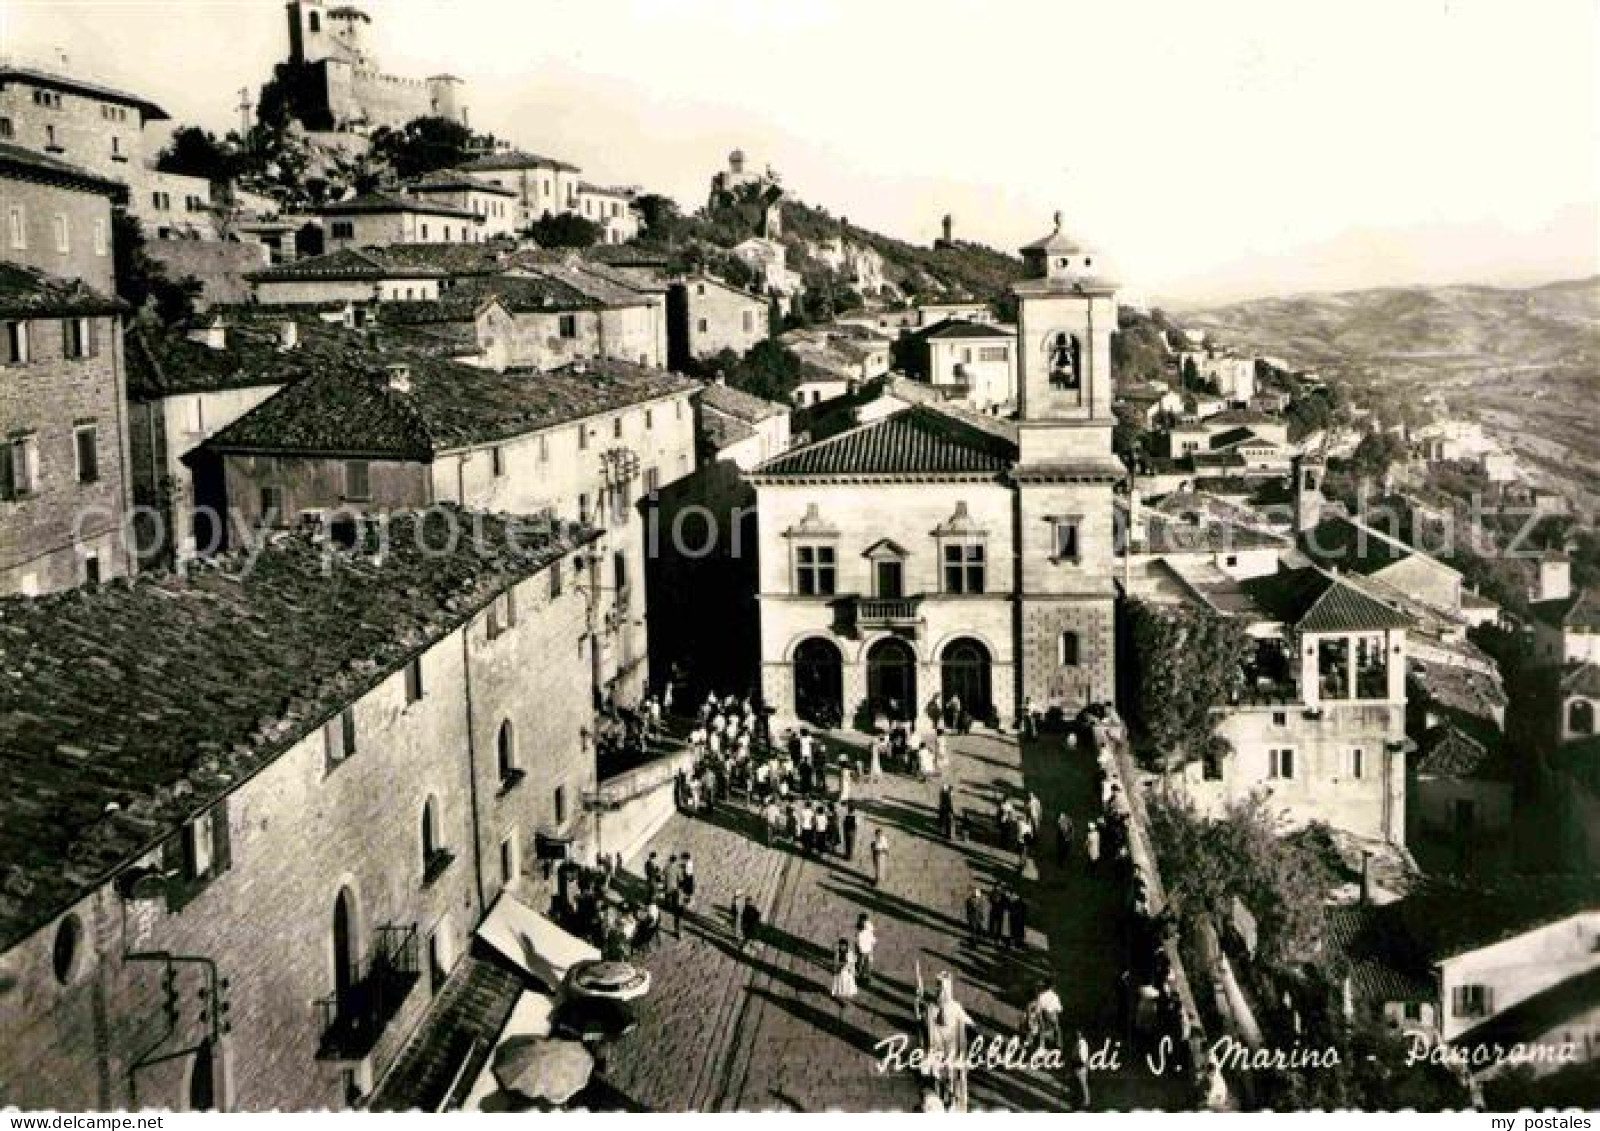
(43, 534)
(220, 267)
(41, 211)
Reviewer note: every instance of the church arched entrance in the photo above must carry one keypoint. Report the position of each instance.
(892, 678)
(819, 682)
(966, 672)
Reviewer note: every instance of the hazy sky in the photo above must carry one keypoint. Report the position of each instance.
(1209, 149)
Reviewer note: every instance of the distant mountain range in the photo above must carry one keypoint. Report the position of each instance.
(1524, 361)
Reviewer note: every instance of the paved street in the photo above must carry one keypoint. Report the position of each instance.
(725, 1030)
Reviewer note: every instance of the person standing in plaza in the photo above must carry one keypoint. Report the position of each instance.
(807, 823)
(1091, 844)
(674, 883)
(1079, 1062)
(947, 812)
(850, 828)
(866, 946)
(998, 905)
(686, 885)
(844, 987)
(875, 769)
(749, 924)
(977, 907)
(1019, 921)
(820, 839)
(880, 858)
(1064, 835)
(1030, 718)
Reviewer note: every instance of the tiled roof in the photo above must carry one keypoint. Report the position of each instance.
(1382, 961)
(380, 202)
(216, 673)
(455, 259)
(436, 182)
(719, 430)
(349, 408)
(740, 404)
(1313, 601)
(346, 263)
(918, 441)
(164, 363)
(598, 281)
(1469, 693)
(524, 294)
(149, 110)
(1056, 243)
(515, 159)
(1580, 611)
(1448, 751)
(955, 328)
(24, 164)
(1164, 535)
(627, 255)
(27, 293)
(1242, 416)
(1581, 679)
(1234, 437)
(1343, 544)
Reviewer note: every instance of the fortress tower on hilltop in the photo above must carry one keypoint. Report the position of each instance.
(334, 82)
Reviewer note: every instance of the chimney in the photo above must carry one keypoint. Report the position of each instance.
(949, 225)
(288, 335)
(213, 335)
(1555, 577)
(1366, 879)
(399, 377)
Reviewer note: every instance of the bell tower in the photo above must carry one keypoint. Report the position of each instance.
(1066, 474)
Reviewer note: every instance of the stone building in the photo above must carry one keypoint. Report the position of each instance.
(542, 185)
(334, 83)
(967, 361)
(377, 219)
(57, 217)
(706, 316)
(935, 552)
(64, 481)
(591, 442)
(495, 207)
(102, 130)
(612, 209)
(295, 812)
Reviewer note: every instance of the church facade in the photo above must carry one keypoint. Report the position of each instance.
(937, 552)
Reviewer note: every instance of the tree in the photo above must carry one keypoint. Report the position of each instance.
(1189, 662)
(564, 230)
(423, 145)
(660, 217)
(142, 281)
(770, 370)
(1191, 373)
(195, 152)
(1375, 454)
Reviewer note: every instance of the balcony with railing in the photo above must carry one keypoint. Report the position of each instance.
(352, 1020)
(887, 612)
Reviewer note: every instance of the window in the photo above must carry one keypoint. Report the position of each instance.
(559, 805)
(68, 944)
(7, 131)
(50, 138)
(704, 325)
(1211, 766)
(583, 437)
(18, 223)
(1472, 1001)
(19, 471)
(505, 755)
(116, 147)
(567, 326)
(101, 244)
(78, 338)
(344, 229)
(1065, 539)
(964, 567)
(649, 419)
(339, 737)
(749, 321)
(816, 571)
(162, 201)
(1280, 764)
(86, 447)
(544, 449)
(1356, 762)
(63, 241)
(502, 613)
(91, 568)
(357, 480)
(652, 480)
(555, 578)
(434, 856)
(414, 680)
(992, 353)
(424, 233)
(619, 570)
(16, 343)
(497, 462)
(583, 509)
(1280, 718)
(510, 860)
(1069, 650)
(616, 428)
